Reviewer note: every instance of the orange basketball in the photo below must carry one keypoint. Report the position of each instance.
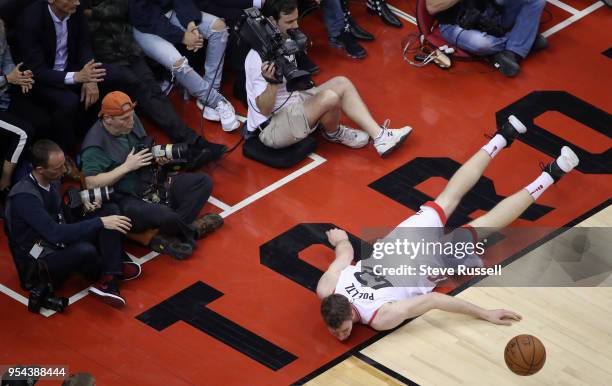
(525, 354)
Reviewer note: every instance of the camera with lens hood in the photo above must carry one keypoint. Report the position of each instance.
(265, 38)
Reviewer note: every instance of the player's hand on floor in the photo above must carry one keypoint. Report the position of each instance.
(335, 235)
(504, 317)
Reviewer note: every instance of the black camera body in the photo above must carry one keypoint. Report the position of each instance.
(76, 199)
(42, 296)
(262, 36)
(482, 15)
(177, 152)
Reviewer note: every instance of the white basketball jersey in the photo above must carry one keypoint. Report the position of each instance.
(368, 292)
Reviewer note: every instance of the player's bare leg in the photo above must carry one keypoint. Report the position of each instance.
(512, 207)
(470, 172)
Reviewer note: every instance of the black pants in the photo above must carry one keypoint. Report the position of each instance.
(137, 80)
(102, 254)
(188, 193)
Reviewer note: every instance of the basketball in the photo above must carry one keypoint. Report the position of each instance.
(525, 355)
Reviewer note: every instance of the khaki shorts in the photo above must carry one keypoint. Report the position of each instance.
(288, 125)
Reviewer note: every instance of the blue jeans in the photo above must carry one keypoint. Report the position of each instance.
(164, 52)
(522, 17)
(333, 17)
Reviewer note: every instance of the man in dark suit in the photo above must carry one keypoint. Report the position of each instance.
(53, 42)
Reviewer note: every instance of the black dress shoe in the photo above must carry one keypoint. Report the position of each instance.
(507, 63)
(347, 42)
(305, 63)
(540, 43)
(356, 30)
(380, 8)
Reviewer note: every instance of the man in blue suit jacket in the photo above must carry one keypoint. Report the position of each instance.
(53, 42)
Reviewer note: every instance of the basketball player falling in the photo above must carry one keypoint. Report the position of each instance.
(344, 300)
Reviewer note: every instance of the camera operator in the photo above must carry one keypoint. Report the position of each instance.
(38, 232)
(505, 30)
(282, 118)
(110, 158)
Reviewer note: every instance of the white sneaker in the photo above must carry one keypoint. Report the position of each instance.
(209, 113)
(227, 115)
(390, 139)
(568, 160)
(349, 137)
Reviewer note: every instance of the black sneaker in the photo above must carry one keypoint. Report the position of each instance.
(198, 157)
(171, 246)
(217, 150)
(305, 63)
(511, 129)
(347, 42)
(506, 62)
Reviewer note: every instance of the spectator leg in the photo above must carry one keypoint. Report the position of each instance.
(523, 16)
(473, 41)
(81, 256)
(333, 17)
(188, 194)
(168, 56)
(145, 215)
(215, 31)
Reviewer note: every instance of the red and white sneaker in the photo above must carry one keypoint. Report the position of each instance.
(131, 271)
(108, 290)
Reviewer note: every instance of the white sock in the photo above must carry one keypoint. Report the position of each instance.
(495, 145)
(537, 187)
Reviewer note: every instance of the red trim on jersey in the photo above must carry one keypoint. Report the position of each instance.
(373, 316)
(356, 311)
(438, 209)
(472, 231)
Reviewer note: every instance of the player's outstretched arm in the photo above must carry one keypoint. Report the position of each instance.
(392, 315)
(344, 256)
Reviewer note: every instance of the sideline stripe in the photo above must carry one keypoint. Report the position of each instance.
(317, 160)
(366, 359)
(355, 350)
(218, 203)
(572, 19)
(564, 6)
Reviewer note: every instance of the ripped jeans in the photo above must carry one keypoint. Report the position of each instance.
(164, 52)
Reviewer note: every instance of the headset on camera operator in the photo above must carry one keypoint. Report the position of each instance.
(117, 151)
(506, 31)
(47, 249)
(284, 108)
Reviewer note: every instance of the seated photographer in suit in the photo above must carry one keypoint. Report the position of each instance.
(505, 30)
(282, 118)
(38, 231)
(118, 152)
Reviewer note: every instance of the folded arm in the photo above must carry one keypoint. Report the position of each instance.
(344, 256)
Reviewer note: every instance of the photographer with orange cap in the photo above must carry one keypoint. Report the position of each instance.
(117, 152)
